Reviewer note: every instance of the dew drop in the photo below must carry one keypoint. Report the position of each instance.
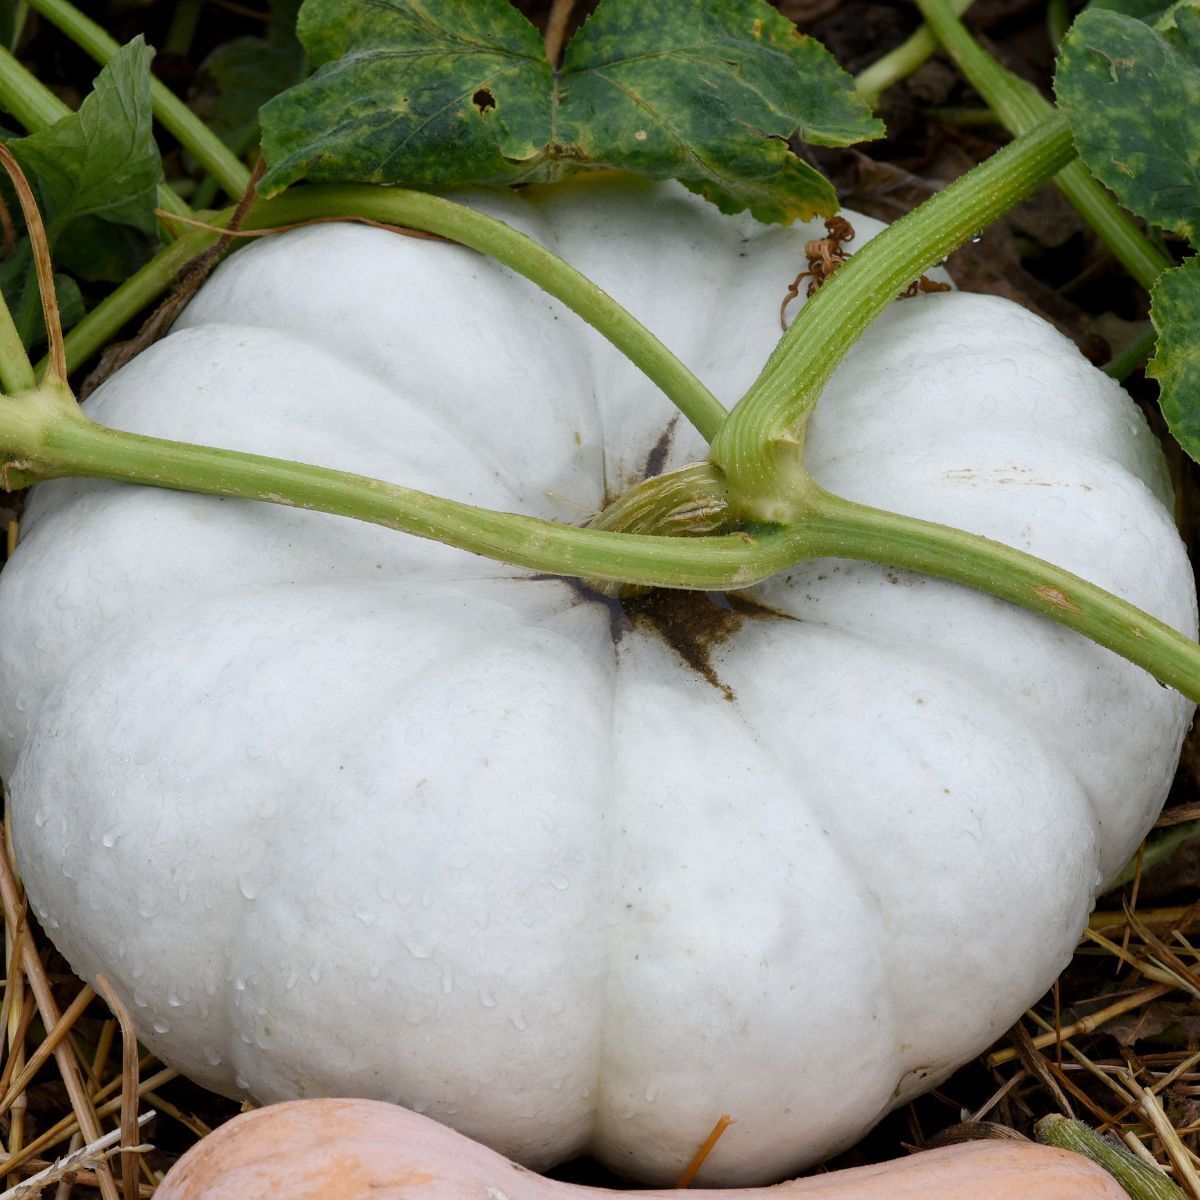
(109, 840)
(418, 949)
(518, 1021)
(560, 884)
(211, 1057)
(242, 1082)
(161, 1026)
(247, 888)
(487, 997)
(420, 1104)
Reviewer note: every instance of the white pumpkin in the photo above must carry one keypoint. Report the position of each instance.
(342, 811)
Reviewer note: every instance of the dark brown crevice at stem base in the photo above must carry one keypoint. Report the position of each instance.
(693, 624)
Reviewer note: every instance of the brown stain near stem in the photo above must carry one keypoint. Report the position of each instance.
(1057, 598)
(693, 624)
(657, 458)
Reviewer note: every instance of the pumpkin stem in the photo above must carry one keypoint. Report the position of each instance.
(1141, 1180)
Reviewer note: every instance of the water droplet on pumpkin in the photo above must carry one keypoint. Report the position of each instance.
(518, 1020)
(211, 1057)
(242, 1082)
(487, 997)
(247, 888)
(651, 1093)
(109, 840)
(420, 1104)
(447, 983)
(560, 884)
(161, 1026)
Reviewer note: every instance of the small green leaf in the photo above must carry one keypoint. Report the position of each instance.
(1144, 10)
(16, 275)
(246, 72)
(1175, 311)
(438, 93)
(100, 161)
(95, 174)
(94, 250)
(1132, 95)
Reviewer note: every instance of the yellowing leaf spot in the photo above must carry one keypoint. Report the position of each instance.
(1124, 168)
(640, 136)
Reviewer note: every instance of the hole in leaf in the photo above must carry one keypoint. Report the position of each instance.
(484, 100)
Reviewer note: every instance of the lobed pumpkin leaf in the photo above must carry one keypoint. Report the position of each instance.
(440, 93)
(1132, 95)
(100, 161)
(1175, 310)
(96, 174)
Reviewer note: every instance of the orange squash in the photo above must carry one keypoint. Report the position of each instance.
(367, 1150)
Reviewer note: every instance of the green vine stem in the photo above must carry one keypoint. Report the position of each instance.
(1058, 20)
(25, 96)
(901, 62)
(183, 27)
(1020, 106)
(431, 214)
(192, 133)
(49, 437)
(760, 447)
(1134, 355)
(16, 371)
(44, 435)
(1139, 1179)
(844, 529)
(1155, 853)
(36, 107)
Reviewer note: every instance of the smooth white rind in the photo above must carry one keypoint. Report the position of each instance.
(341, 811)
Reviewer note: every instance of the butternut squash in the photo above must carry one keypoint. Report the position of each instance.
(368, 1150)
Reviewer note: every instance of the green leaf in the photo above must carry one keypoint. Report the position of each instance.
(96, 251)
(17, 275)
(1132, 95)
(95, 174)
(1144, 10)
(1175, 311)
(101, 161)
(440, 93)
(248, 71)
